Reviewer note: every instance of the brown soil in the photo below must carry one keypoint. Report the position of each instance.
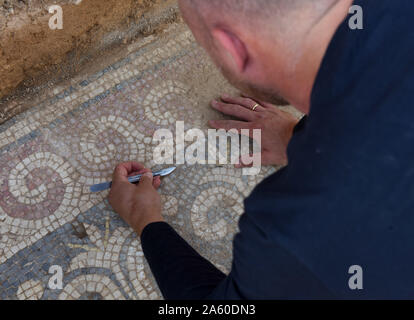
(32, 55)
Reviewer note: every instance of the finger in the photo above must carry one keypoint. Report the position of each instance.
(241, 164)
(234, 110)
(250, 160)
(263, 103)
(156, 183)
(230, 125)
(146, 180)
(270, 159)
(137, 173)
(123, 170)
(239, 127)
(280, 102)
(242, 101)
(245, 102)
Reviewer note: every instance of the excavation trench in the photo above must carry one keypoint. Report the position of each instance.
(34, 57)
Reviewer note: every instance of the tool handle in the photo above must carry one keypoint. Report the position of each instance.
(136, 179)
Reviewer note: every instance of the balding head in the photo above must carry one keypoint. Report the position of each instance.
(279, 16)
(260, 43)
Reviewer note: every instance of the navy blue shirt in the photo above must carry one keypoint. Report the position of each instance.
(347, 196)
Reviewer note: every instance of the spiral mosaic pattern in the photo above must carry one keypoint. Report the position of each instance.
(73, 138)
(104, 143)
(36, 187)
(159, 100)
(89, 287)
(214, 212)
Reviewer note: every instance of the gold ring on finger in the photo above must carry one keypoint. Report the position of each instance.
(255, 107)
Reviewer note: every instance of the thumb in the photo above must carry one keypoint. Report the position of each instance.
(146, 180)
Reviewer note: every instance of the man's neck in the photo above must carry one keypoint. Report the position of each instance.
(315, 45)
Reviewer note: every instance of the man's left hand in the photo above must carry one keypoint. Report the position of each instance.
(277, 126)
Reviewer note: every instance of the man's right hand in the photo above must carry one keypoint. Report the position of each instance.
(138, 205)
(277, 126)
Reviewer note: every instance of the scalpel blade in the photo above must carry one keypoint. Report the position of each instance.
(107, 185)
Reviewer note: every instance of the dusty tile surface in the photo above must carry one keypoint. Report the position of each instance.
(73, 138)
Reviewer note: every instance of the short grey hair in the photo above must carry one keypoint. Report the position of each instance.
(265, 9)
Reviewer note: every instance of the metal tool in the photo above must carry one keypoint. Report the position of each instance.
(135, 179)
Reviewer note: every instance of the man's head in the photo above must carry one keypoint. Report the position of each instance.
(261, 45)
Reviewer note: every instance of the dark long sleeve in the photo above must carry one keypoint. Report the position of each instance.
(347, 196)
(181, 273)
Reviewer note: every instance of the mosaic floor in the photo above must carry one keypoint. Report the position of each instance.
(73, 137)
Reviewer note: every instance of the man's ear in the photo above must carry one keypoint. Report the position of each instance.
(232, 47)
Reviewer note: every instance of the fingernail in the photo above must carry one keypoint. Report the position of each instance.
(214, 103)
